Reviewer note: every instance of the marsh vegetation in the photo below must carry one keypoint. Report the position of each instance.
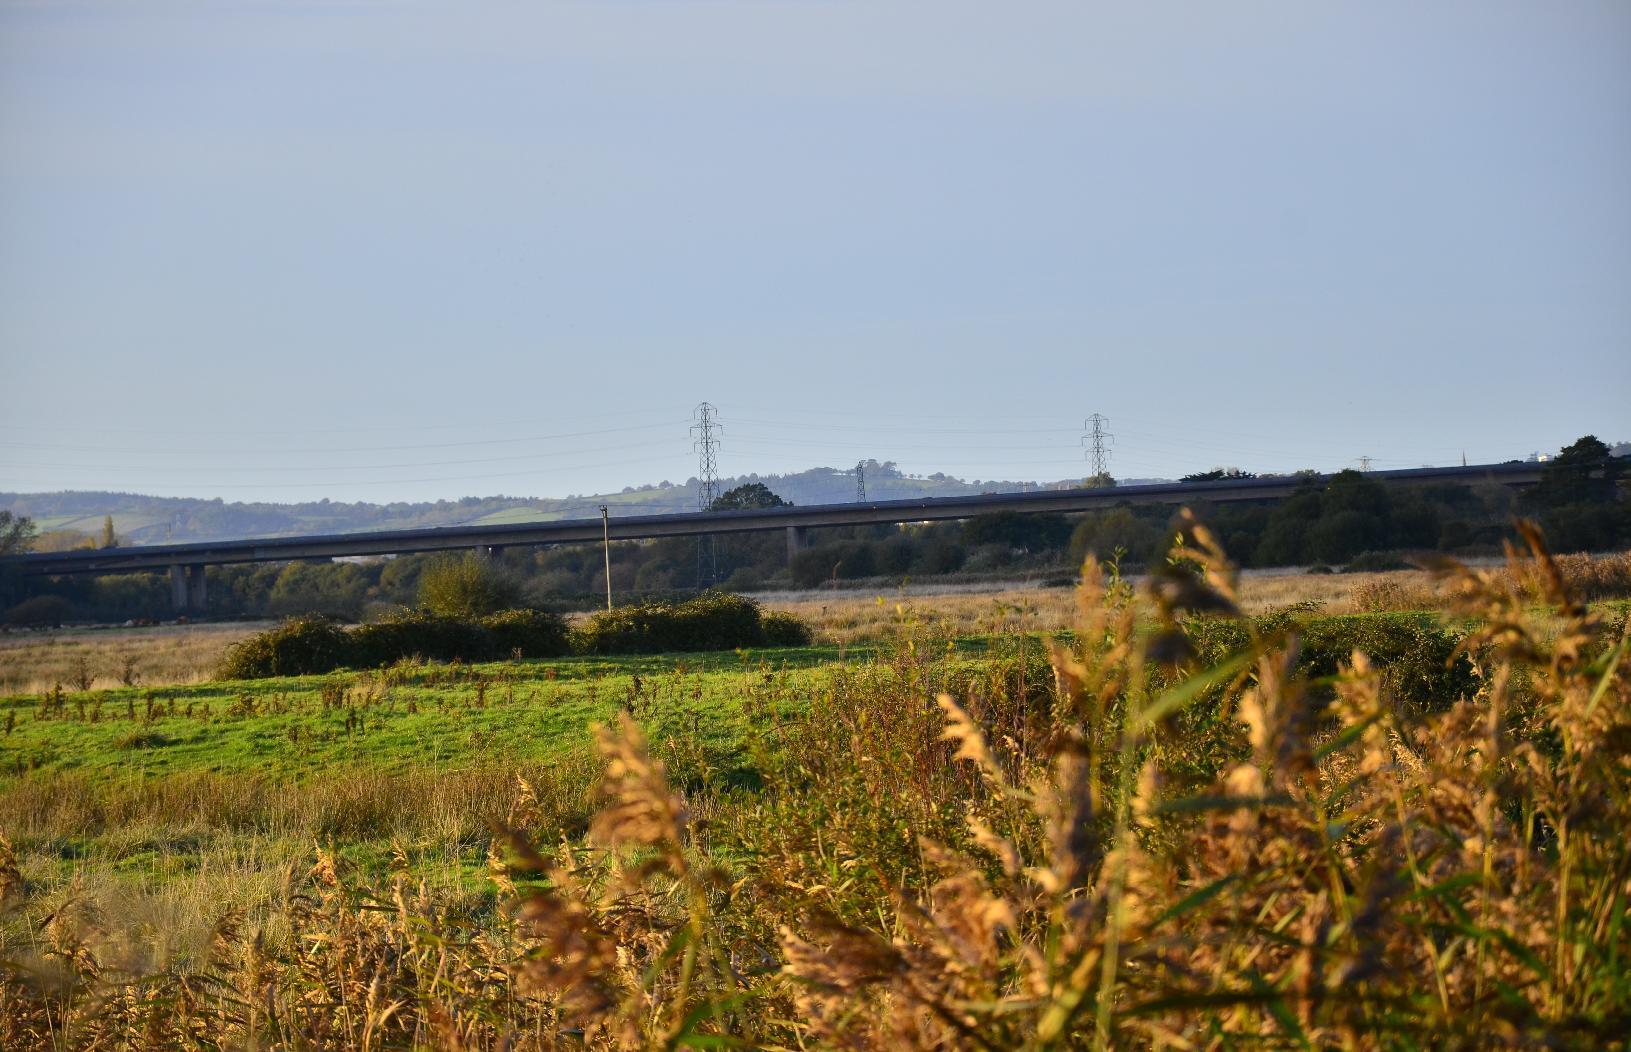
(1174, 824)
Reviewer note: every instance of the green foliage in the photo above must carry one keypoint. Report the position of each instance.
(332, 589)
(713, 621)
(16, 537)
(314, 645)
(466, 586)
(1027, 849)
(301, 646)
(1415, 651)
(1582, 472)
(421, 634)
(842, 559)
(1218, 475)
(40, 610)
(781, 629)
(1014, 529)
(751, 495)
(1118, 529)
(16, 532)
(529, 633)
(1375, 562)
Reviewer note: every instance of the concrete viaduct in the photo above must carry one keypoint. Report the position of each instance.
(185, 563)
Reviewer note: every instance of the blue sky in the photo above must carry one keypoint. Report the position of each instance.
(383, 251)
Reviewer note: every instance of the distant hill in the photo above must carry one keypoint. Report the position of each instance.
(140, 519)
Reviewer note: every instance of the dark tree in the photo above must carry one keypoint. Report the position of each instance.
(16, 533)
(1033, 532)
(752, 495)
(1218, 475)
(1585, 472)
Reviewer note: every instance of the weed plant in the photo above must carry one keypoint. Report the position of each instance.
(1131, 841)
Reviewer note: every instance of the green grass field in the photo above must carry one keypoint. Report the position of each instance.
(393, 719)
(934, 842)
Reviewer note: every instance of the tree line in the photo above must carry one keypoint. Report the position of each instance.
(1349, 520)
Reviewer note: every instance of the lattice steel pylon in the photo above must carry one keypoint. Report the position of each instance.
(1097, 442)
(860, 482)
(705, 441)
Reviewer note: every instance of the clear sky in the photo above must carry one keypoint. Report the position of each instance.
(388, 251)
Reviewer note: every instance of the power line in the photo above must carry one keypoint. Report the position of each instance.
(1097, 440)
(194, 450)
(705, 441)
(289, 468)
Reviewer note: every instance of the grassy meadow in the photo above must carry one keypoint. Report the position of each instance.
(1188, 811)
(34, 661)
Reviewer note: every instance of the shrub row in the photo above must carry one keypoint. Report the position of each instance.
(715, 621)
(314, 645)
(1416, 652)
(305, 646)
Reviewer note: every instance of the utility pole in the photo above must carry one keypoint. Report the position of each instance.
(1364, 463)
(860, 482)
(1097, 442)
(705, 440)
(606, 544)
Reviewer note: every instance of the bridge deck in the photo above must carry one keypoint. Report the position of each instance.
(398, 542)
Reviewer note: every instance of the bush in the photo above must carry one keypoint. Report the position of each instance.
(529, 633)
(40, 610)
(1376, 562)
(1413, 650)
(841, 559)
(783, 629)
(301, 646)
(421, 633)
(314, 645)
(466, 586)
(1118, 529)
(714, 621)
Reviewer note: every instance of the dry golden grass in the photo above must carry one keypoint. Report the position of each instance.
(34, 661)
(861, 616)
(1115, 849)
(1590, 577)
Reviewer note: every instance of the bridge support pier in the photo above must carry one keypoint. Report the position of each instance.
(797, 540)
(197, 594)
(187, 589)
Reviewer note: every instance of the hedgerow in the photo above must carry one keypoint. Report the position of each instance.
(314, 645)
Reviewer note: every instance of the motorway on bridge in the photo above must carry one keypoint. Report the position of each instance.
(193, 557)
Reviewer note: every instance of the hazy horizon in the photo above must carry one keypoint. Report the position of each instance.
(379, 251)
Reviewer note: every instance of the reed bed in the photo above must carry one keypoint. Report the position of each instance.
(34, 661)
(1110, 845)
(869, 616)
